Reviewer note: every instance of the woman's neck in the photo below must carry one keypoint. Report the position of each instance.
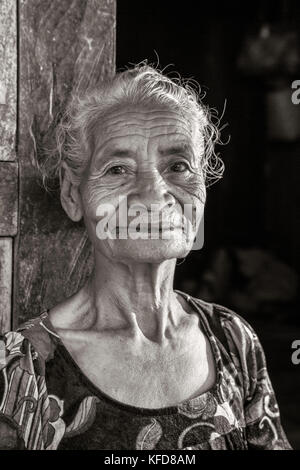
(135, 296)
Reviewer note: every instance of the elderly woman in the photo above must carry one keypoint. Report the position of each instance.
(127, 362)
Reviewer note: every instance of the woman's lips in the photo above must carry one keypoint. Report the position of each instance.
(153, 228)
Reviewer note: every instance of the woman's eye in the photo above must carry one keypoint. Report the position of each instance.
(179, 167)
(116, 170)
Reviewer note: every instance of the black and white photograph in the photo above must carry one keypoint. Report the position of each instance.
(149, 227)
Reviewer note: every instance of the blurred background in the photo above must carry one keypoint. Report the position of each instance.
(245, 55)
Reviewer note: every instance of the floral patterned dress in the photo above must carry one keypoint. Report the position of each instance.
(46, 401)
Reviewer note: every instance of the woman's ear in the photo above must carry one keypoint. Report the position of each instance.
(69, 195)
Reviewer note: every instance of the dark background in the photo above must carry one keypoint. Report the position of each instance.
(250, 261)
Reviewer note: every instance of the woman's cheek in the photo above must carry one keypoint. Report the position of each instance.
(192, 184)
(193, 197)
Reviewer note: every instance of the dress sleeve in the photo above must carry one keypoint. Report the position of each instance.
(261, 412)
(24, 401)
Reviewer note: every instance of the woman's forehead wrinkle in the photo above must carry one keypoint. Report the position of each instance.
(142, 131)
(141, 119)
(125, 139)
(163, 141)
(125, 117)
(144, 114)
(124, 128)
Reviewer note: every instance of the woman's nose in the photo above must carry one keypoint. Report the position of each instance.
(152, 189)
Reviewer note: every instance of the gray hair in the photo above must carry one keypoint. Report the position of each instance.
(140, 85)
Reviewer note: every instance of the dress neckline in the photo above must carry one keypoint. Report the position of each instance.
(191, 403)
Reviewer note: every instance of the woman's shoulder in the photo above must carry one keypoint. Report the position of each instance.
(237, 338)
(23, 389)
(32, 339)
(238, 341)
(222, 320)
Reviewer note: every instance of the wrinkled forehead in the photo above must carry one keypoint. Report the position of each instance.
(140, 125)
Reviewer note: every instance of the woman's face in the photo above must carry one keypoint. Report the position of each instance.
(144, 183)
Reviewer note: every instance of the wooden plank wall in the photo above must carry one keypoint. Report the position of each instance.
(8, 164)
(63, 46)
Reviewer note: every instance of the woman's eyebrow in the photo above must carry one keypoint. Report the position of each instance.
(114, 153)
(119, 153)
(176, 149)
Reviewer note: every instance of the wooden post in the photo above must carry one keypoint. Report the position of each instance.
(8, 165)
(63, 46)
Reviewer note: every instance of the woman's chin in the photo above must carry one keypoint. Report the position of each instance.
(148, 251)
